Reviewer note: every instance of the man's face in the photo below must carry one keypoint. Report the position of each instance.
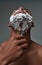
(21, 22)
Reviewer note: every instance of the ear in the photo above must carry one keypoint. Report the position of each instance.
(12, 30)
(9, 25)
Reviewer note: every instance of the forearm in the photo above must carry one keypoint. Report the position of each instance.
(4, 58)
(6, 61)
(2, 55)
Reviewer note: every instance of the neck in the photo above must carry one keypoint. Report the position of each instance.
(28, 37)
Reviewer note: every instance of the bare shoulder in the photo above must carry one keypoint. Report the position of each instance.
(37, 48)
(33, 47)
(35, 52)
(35, 44)
(40, 53)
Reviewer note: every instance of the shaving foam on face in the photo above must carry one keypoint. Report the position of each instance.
(23, 18)
(20, 16)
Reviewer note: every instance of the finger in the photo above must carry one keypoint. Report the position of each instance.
(23, 46)
(21, 52)
(22, 41)
(18, 37)
(19, 42)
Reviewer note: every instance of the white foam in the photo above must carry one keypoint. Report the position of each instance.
(20, 16)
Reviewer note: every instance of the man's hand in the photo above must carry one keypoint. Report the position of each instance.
(14, 48)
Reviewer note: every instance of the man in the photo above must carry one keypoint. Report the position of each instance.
(19, 49)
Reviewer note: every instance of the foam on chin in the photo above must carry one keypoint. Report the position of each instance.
(26, 19)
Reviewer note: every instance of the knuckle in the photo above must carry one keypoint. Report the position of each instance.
(20, 52)
(24, 45)
(12, 38)
(15, 41)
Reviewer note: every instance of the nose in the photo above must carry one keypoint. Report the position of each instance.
(21, 8)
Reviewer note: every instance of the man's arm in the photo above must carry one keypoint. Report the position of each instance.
(1, 47)
(40, 55)
(1, 52)
(12, 50)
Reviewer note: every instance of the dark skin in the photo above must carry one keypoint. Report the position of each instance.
(20, 50)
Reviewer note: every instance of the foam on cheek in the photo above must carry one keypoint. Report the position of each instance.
(11, 18)
(20, 18)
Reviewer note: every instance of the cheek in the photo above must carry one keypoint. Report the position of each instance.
(16, 25)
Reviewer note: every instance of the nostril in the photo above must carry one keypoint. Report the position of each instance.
(21, 8)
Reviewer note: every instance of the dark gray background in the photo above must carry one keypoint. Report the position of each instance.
(7, 6)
